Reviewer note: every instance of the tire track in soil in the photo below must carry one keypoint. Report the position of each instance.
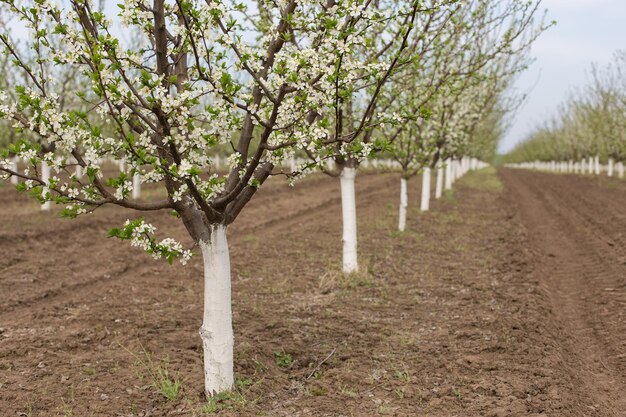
(102, 276)
(585, 277)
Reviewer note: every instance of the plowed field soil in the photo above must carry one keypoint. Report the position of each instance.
(508, 298)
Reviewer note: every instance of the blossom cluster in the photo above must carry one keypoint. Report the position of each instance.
(260, 83)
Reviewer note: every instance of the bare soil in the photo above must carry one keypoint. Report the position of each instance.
(507, 298)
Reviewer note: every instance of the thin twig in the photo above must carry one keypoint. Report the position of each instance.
(321, 363)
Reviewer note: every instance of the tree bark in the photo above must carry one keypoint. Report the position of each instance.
(217, 329)
(425, 203)
(403, 205)
(348, 209)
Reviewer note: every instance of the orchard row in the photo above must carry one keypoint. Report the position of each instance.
(277, 88)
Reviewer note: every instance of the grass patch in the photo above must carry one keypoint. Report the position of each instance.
(283, 359)
(230, 400)
(158, 374)
(449, 196)
(485, 180)
(336, 280)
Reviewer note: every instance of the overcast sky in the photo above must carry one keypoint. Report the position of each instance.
(587, 31)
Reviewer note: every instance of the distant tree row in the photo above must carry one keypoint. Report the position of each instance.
(590, 123)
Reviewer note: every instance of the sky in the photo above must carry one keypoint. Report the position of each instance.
(587, 31)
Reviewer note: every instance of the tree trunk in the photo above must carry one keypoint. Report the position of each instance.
(449, 174)
(439, 187)
(217, 329)
(45, 177)
(14, 167)
(620, 169)
(425, 203)
(403, 205)
(136, 186)
(454, 167)
(610, 168)
(597, 163)
(348, 210)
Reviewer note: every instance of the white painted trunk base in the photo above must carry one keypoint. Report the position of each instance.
(348, 211)
(45, 177)
(404, 202)
(136, 186)
(425, 203)
(217, 328)
(448, 174)
(439, 186)
(620, 169)
(14, 167)
(597, 165)
(610, 168)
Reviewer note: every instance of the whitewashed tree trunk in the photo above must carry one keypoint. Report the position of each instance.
(452, 172)
(597, 165)
(610, 167)
(14, 167)
(404, 202)
(217, 328)
(620, 169)
(348, 210)
(136, 186)
(45, 177)
(439, 185)
(79, 171)
(425, 203)
(448, 174)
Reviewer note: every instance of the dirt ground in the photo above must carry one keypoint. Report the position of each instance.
(506, 299)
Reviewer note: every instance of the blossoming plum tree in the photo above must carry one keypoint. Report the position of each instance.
(258, 79)
(356, 112)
